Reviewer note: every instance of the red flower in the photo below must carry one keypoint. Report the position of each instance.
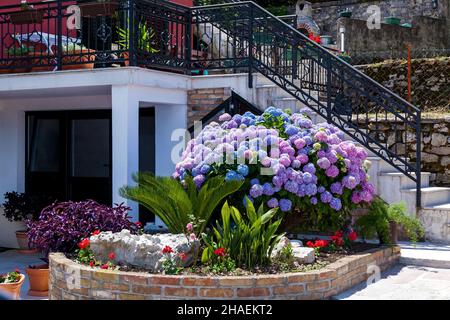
(139, 225)
(220, 252)
(352, 236)
(91, 264)
(104, 266)
(96, 233)
(338, 234)
(182, 256)
(84, 243)
(321, 243)
(17, 270)
(112, 256)
(338, 241)
(310, 244)
(167, 249)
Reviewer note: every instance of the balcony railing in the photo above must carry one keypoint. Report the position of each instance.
(86, 34)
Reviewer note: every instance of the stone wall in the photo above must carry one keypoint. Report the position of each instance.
(95, 284)
(435, 145)
(436, 224)
(426, 33)
(430, 80)
(203, 101)
(326, 13)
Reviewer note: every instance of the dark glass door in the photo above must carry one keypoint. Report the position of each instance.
(69, 155)
(45, 156)
(90, 157)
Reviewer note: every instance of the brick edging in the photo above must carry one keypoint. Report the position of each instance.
(88, 283)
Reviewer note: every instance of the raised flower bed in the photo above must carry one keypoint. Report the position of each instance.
(95, 283)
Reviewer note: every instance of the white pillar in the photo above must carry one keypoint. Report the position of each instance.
(170, 121)
(125, 143)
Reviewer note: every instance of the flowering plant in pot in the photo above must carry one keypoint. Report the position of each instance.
(11, 283)
(23, 207)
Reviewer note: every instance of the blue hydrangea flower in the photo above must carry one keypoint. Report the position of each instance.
(243, 169)
(285, 205)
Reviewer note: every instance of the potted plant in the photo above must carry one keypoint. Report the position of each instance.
(77, 56)
(146, 36)
(383, 219)
(42, 60)
(38, 276)
(27, 14)
(347, 13)
(23, 207)
(19, 59)
(98, 8)
(11, 283)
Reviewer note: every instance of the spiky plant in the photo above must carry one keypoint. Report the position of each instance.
(248, 239)
(176, 205)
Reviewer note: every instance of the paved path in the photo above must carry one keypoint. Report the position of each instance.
(426, 254)
(404, 283)
(11, 259)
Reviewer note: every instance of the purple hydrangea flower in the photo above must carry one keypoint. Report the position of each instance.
(324, 163)
(326, 197)
(272, 203)
(285, 205)
(332, 171)
(256, 191)
(268, 189)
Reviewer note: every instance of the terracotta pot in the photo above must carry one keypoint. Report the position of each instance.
(22, 240)
(26, 16)
(40, 58)
(38, 276)
(393, 231)
(21, 65)
(74, 57)
(94, 9)
(13, 289)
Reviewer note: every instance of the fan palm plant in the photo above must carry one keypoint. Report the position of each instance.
(176, 205)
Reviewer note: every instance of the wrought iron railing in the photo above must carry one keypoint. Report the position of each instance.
(236, 37)
(317, 79)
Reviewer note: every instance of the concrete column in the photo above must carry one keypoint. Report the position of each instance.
(170, 123)
(125, 142)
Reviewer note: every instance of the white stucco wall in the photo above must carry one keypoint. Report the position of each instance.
(122, 90)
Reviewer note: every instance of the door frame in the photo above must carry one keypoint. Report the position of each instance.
(65, 117)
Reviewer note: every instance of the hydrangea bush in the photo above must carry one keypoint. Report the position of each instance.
(286, 162)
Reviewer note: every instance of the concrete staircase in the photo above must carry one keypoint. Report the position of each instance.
(390, 184)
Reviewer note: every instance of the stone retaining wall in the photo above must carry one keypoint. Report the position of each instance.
(69, 280)
(435, 144)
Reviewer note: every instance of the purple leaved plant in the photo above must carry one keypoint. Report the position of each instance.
(63, 225)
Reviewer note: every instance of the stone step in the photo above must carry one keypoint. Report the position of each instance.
(431, 196)
(425, 254)
(440, 207)
(402, 181)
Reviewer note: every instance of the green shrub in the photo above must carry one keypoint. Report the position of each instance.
(376, 222)
(175, 205)
(249, 240)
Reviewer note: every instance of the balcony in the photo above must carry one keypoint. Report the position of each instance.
(88, 34)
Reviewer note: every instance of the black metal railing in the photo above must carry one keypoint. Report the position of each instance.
(236, 37)
(318, 79)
